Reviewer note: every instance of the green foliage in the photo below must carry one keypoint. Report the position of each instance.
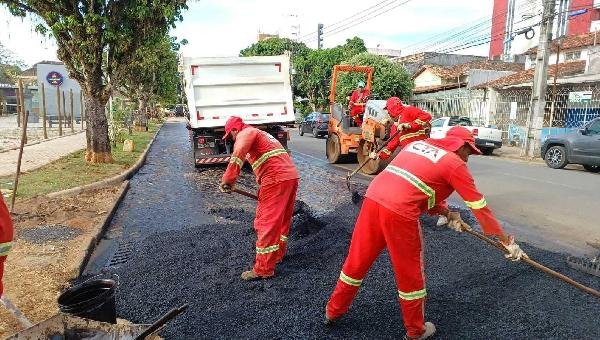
(274, 46)
(389, 79)
(119, 126)
(10, 65)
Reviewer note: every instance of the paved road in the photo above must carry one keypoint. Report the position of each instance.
(554, 209)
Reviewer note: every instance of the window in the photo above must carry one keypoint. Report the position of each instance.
(594, 128)
(573, 55)
(437, 123)
(460, 121)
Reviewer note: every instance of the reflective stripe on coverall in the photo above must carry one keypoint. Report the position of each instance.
(419, 123)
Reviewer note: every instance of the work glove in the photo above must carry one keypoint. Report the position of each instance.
(373, 155)
(515, 253)
(456, 223)
(404, 126)
(226, 187)
(441, 221)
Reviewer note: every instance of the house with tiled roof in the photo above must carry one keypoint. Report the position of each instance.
(434, 78)
(570, 48)
(525, 77)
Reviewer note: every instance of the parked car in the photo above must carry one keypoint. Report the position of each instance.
(486, 138)
(581, 147)
(315, 123)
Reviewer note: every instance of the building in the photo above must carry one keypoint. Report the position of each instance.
(515, 24)
(584, 47)
(414, 62)
(386, 52)
(265, 36)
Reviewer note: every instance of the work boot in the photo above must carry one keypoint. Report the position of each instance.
(429, 331)
(330, 321)
(250, 275)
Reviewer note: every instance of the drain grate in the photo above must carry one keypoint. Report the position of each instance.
(122, 254)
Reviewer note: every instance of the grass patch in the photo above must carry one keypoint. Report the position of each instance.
(72, 170)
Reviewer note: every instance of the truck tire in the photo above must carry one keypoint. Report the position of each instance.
(556, 157)
(373, 166)
(333, 149)
(487, 151)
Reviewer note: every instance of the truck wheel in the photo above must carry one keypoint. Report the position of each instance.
(300, 131)
(556, 157)
(487, 151)
(592, 168)
(373, 166)
(333, 149)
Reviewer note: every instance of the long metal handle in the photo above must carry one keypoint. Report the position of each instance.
(538, 266)
(162, 321)
(15, 312)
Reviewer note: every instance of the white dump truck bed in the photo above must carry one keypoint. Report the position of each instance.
(257, 89)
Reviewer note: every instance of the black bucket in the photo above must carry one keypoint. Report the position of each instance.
(93, 300)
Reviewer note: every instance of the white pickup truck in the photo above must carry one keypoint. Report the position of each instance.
(257, 89)
(486, 139)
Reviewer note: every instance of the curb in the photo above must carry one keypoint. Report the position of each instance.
(105, 224)
(41, 141)
(109, 181)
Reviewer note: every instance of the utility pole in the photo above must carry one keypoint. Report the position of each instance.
(319, 36)
(535, 120)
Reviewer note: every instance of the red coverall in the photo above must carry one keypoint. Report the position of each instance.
(419, 122)
(357, 105)
(6, 237)
(421, 177)
(277, 178)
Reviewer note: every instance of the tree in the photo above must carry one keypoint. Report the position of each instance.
(314, 70)
(275, 46)
(389, 79)
(152, 76)
(95, 39)
(10, 65)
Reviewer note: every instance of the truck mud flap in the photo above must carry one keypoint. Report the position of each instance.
(212, 160)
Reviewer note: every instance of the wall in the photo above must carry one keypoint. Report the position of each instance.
(68, 84)
(426, 78)
(498, 25)
(581, 23)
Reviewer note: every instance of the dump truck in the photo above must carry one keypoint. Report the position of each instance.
(344, 139)
(257, 89)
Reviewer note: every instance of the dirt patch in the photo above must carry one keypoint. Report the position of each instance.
(52, 236)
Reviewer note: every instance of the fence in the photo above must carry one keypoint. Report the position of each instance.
(47, 118)
(508, 110)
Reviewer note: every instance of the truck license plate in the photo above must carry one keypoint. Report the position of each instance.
(489, 144)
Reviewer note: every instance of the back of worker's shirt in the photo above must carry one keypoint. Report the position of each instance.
(422, 176)
(269, 160)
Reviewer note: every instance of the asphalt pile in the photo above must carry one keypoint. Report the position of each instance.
(473, 292)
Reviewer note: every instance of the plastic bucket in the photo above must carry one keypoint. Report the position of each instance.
(93, 300)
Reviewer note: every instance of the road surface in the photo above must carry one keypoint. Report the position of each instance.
(554, 209)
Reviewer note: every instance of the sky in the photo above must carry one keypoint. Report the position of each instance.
(224, 27)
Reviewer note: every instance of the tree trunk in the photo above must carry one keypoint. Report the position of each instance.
(141, 120)
(98, 143)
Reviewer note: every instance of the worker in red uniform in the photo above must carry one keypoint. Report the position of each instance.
(357, 103)
(423, 174)
(412, 121)
(277, 178)
(6, 237)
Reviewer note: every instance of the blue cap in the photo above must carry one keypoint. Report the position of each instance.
(361, 84)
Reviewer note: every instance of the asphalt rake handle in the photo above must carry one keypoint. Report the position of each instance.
(245, 193)
(537, 266)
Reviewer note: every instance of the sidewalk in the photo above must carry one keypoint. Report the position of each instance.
(512, 152)
(37, 155)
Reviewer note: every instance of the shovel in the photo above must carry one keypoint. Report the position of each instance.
(15, 312)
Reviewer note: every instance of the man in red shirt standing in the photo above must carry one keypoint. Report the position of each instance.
(277, 178)
(421, 177)
(6, 237)
(412, 121)
(357, 103)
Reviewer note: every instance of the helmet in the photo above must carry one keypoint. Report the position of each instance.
(361, 84)
(394, 106)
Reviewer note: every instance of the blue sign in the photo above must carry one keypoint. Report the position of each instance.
(54, 78)
(576, 13)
